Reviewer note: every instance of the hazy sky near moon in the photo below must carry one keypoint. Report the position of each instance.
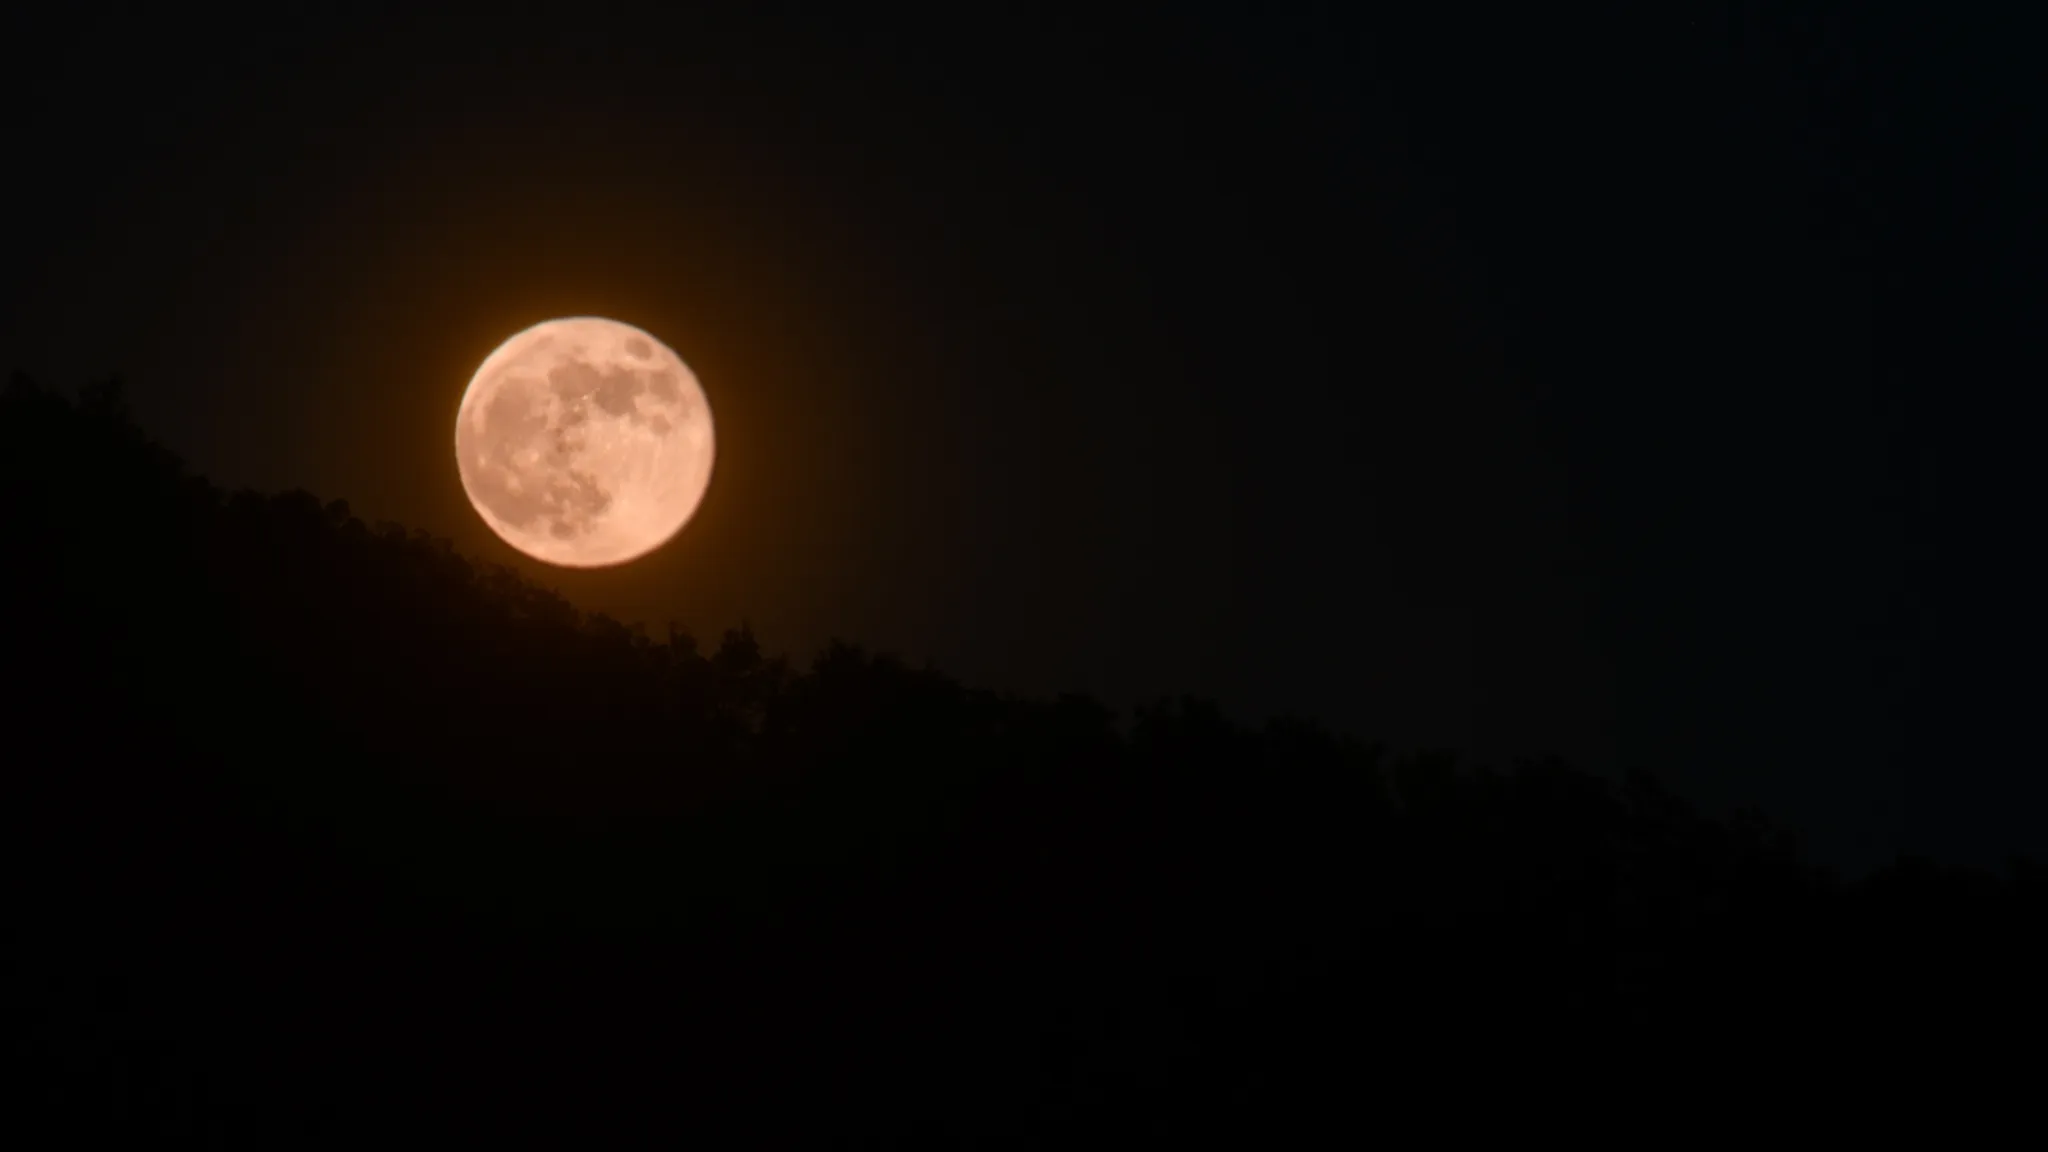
(1554, 388)
(584, 442)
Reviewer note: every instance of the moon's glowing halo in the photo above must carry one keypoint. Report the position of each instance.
(584, 442)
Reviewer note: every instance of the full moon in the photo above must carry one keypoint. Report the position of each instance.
(584, 442)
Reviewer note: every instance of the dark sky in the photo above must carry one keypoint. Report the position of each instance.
(1656, 385)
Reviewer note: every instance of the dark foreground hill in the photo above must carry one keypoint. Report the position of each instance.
(323, 834)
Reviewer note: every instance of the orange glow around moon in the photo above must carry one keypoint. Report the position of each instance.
(584, 442)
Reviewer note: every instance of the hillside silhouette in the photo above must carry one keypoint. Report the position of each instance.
(322, 832)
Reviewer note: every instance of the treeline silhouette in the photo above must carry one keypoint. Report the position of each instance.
(322, 833)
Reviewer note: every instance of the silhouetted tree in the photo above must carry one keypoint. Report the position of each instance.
(318, 828)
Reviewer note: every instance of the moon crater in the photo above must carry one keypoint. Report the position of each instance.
(584, 442)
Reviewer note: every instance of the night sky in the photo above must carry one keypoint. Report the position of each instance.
(1657, 386)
